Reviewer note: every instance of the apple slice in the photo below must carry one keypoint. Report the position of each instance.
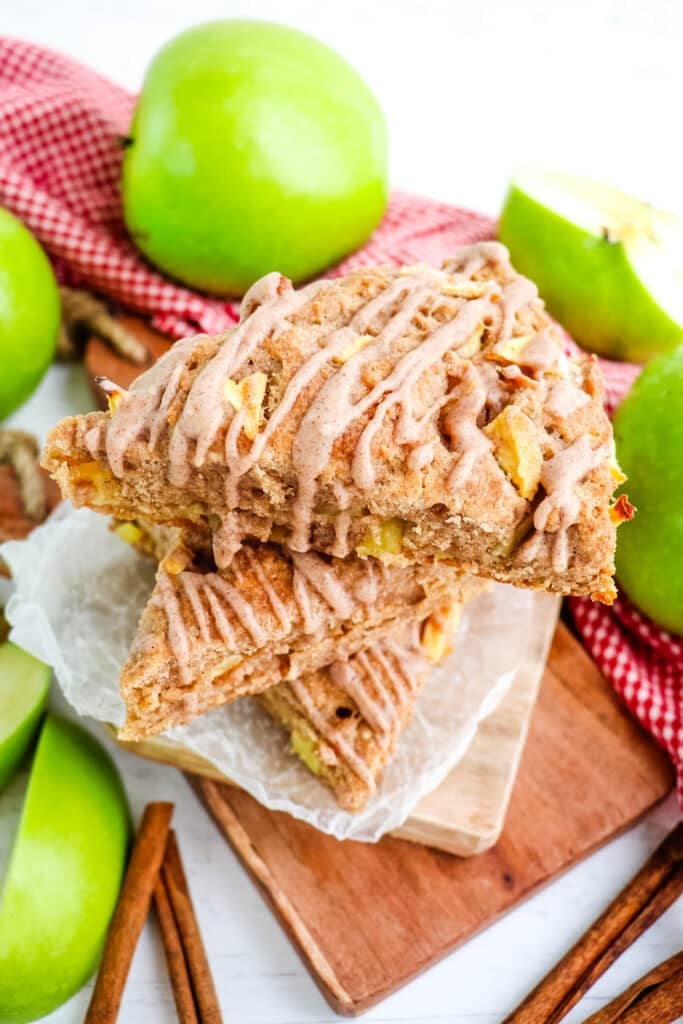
(24, 682)
(609, 267)
(64, 873)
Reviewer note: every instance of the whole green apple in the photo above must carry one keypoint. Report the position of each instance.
(24, 683)
(648, 430)
(29, 313)
(609, 267)
(253, 148)
(64, 873)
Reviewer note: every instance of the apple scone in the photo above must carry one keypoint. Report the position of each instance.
(410, 414)
(345, 720)
(207, 637)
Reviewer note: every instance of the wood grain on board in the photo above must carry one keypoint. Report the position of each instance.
(588, 772)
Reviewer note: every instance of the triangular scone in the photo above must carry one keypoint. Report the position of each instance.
(413, 413)
(345, 719)
(206, 638)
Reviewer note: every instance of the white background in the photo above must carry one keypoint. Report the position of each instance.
(471, 91)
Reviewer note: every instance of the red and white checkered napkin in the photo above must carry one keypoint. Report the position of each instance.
(60, 163)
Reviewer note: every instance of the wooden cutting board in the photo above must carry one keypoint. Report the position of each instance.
(368, 918)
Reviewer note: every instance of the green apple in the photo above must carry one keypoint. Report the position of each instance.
(648, 430)
(64, 873)
(29, 313)
(609, 267)
(253, 148)
(24, 682)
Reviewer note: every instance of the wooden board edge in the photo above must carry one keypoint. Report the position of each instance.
(421, 827)
(469, 842)
(313, 958)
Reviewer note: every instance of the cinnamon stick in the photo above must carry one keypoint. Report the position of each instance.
(130, 913)
(175, 957)
(647, 895)
(656, 998)
(83, 312)
(173, 876)
(653, 909)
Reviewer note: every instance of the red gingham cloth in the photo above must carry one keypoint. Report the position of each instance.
(60, 162)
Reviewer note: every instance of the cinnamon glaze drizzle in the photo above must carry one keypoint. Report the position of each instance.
(212, 603)
(343, 398)
(382, 682)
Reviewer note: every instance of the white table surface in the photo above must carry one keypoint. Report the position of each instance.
(471, 90)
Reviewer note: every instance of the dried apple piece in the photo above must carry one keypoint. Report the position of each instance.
(438, 630)
(357, 345)
(622, 510)
(248, 394)
(517, 449)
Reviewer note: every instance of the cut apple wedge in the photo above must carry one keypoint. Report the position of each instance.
(24, 683)
(64, 873)
(610, 268)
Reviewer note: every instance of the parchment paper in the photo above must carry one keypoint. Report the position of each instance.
(79, 591)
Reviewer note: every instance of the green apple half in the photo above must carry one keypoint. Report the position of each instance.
(609, 267)
(64, 873)
(24, 682)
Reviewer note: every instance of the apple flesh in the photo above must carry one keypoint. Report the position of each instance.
(253, 148)
(648, 432)
(609, 267)
(64, 873)
(24, 684)
(29, 313)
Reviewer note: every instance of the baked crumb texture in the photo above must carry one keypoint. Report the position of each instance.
(208, 637)
(414, 415)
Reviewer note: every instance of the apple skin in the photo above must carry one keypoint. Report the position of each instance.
(19, 669)
(29, 313)
(254, 148)
(586, 282)
(648, 431)
(64, 873)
